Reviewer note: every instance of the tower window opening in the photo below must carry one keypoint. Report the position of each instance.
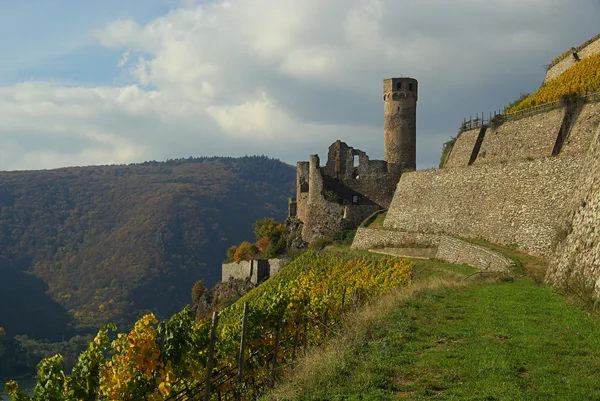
(410, 87)
(398, 86)
(355, 175)
(355, 161)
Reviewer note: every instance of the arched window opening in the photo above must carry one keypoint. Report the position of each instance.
(395, 96)
(398, 86)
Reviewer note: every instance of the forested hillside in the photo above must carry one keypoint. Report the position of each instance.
(83, 246)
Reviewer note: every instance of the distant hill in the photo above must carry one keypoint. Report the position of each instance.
(83, 246)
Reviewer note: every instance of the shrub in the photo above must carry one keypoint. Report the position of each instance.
(320, 243)
(245, 251)
(262, 228)
(231, 253)
(446, 148)
(344, 236)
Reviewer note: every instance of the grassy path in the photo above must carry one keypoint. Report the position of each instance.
(500, 341)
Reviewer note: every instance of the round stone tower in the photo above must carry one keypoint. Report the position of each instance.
(400, 122)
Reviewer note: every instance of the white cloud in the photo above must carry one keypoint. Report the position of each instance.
(287, 76)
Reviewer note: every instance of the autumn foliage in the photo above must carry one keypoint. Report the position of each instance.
(583, 77)
(157, 361)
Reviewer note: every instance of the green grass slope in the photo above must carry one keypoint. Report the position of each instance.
(458, 340)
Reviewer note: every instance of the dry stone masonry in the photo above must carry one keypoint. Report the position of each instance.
(525, 138)
(513, 203)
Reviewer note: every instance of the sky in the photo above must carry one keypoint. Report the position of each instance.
(119, 82)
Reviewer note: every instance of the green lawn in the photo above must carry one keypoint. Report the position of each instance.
(500, 341)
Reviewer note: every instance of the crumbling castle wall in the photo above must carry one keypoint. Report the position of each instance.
(323, 216)
(302, 185)
(525, 138)
(517, 203)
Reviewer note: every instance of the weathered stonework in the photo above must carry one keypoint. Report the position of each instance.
(526, 138)
(582, 132)
(462, 149)
(400, 122)
(576, 260)
(324, 216)
(461, 252)
(514, 203)
(257, 270)
(371, 238)
(443, 247)
(590, 50)
(302, 185)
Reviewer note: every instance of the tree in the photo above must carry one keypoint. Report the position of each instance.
(263, 227)
(197, 291)
(262, 244)
(231, 252)
(245, 251)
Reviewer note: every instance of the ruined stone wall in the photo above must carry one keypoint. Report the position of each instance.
(576, 261)
(373, 238)
(461, 252)
(525, 138)
(518, 203)
(257, 270)
(323, 217)
(275, 265)
(302, 188)
(462, 149)
(349, 172)
(582, 133)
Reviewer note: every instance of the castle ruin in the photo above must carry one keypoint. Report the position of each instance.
(350, 186)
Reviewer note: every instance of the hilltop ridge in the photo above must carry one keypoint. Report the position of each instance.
(89, 245)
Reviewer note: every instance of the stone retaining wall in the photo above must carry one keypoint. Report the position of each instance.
(582, 133)
(462, 149)
(520, 203)
(526, 138)
(443, 247)
(576, 261)
(457, 251)
(371, 238)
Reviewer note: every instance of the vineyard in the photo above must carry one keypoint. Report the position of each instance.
(242, 346)
(582, 78)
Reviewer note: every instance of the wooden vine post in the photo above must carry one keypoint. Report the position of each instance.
(211, 355)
